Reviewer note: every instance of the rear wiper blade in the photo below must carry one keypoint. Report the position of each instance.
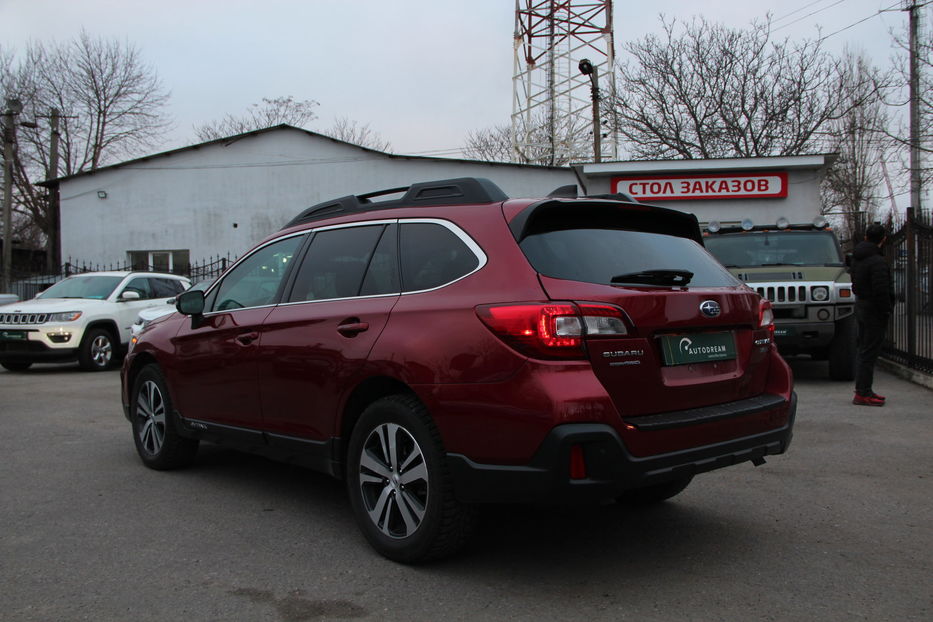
(655, 277)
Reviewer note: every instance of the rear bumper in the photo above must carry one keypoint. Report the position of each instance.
(610, 467)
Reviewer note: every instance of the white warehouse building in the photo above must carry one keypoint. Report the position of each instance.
(221, 197)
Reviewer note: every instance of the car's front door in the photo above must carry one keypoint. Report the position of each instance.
(214, 375)
(314, 345)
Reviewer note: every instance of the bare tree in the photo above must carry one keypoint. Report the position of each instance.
(703, 90)
(271, 112)
(111, 107)
(495, 144)
(352, 132)
(853, 186)
(492, 144)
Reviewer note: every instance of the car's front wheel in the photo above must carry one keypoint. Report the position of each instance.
(154, 428)
(97, 350)
(399, 486)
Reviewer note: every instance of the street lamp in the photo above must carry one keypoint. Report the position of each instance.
(13, 108)
(588, 69)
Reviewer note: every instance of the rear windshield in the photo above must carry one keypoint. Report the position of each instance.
(605, 255)
(775, 248)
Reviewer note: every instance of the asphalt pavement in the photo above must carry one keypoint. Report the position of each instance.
(839, 528)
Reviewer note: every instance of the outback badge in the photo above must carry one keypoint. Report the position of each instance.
(710, 308)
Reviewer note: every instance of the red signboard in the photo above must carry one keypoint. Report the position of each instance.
(704, 186)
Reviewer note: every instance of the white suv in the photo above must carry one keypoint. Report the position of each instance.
(85, 317)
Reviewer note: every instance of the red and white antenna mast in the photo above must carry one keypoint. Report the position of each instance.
(551, 99)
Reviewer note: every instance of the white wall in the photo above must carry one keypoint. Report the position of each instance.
(190, 199)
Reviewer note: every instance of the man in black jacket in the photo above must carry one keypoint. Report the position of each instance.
(871, 282)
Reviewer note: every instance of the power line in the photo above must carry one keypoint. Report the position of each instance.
(864, 19)
(800, 19)
(795, 11)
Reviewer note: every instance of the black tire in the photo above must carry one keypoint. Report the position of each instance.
(842, 351)
(408, 514)
(98, 350)
(654, 494)
(154, 426)
(16, 365)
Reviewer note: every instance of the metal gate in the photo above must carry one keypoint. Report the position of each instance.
(910, 331)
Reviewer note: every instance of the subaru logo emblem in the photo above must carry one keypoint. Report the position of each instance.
(710, 308)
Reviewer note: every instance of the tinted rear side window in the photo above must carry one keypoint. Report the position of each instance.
(432, 255)
(598, 255)
(335, 263)
(165, 288)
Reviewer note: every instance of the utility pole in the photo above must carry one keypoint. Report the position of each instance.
(54, 255)
(588, 69)
(914, 110)
(13, 108)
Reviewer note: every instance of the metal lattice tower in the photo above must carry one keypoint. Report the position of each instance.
(551, 100)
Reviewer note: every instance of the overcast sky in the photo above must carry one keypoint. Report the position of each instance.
(420, 72)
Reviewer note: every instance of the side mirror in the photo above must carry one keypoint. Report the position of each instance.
(130, 295)
(190, 302)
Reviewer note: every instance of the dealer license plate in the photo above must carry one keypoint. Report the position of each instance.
(697, 348)
(12, 335)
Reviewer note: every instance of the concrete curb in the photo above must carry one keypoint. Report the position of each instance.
(917, 377)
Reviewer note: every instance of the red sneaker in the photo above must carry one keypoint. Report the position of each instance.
(876, 396)
(868, 400)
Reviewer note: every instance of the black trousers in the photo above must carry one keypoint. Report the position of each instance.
(872, 326)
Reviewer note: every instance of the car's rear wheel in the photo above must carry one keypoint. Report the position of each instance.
(97, 351)
(655, 493)
(399, 486)
(16, 365)
(154, 428)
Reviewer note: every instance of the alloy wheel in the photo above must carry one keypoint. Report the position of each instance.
(101, 350)
(150, 407)
(393, 480)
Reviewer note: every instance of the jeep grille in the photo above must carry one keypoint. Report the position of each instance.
(24, 318)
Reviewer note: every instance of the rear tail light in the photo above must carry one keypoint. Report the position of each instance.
(766, 316)
(552, 330)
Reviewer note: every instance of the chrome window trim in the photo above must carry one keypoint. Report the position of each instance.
(307, 302)
(463, 236)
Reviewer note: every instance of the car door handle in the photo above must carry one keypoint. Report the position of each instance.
(352, 329)
(247, 338)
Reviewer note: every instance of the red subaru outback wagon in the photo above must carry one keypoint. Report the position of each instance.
(454, 347)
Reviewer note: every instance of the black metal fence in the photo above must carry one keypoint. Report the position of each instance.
(27, 284)
(910, 331)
